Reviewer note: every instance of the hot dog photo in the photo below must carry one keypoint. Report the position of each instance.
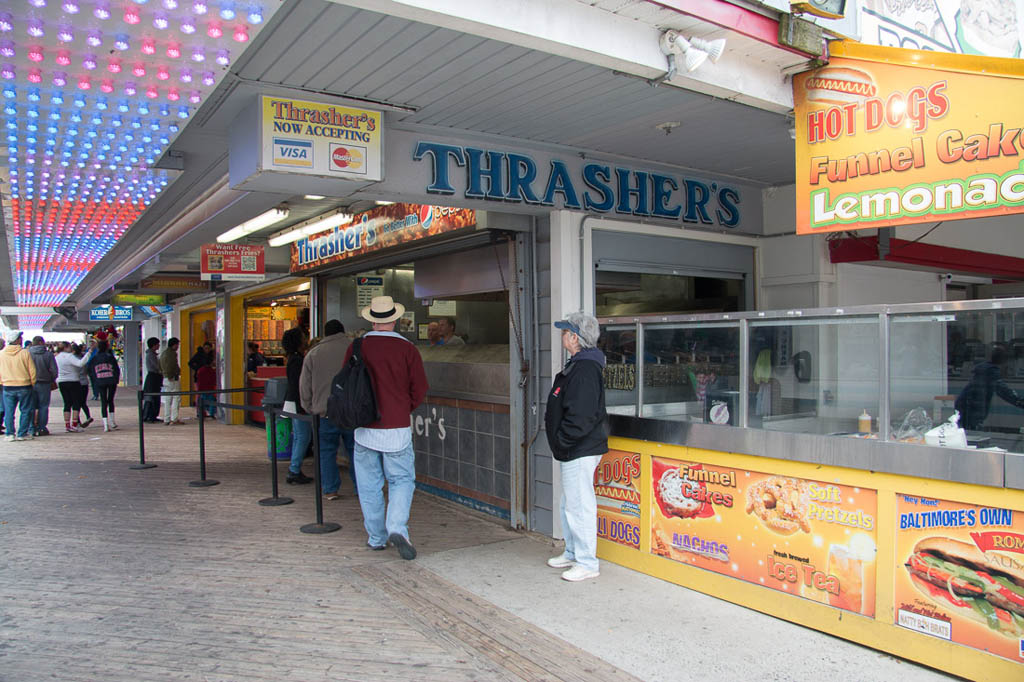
(963, 577)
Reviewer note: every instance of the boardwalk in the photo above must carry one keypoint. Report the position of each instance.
(112, 574)
(109, 574)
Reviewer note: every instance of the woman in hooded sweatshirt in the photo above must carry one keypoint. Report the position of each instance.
(69, 374)
(83, 380)
(105, 374)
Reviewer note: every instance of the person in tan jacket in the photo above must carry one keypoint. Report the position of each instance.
(18, 377)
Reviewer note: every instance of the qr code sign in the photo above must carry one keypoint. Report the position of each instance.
(248, 263)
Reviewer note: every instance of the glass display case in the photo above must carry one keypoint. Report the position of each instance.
(889, 373)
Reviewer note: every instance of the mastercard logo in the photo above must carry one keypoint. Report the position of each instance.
(347, 158)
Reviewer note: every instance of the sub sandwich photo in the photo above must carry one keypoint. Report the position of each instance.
(965, 581)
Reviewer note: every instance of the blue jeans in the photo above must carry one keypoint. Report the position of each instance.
(302, 433)
(208, 405)
(372, 468)
(42, 391)
(22, 398)
(579, 510)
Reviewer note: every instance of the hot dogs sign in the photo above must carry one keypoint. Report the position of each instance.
(812, 539)
(963, 573)
(882, 144)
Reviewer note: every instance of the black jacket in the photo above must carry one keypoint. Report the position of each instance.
(104, 370)
(294, 372)
(575, 420)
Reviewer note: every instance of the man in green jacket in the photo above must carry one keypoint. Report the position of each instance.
(171, 370)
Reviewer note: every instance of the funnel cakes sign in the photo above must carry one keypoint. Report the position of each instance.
(880, 144)
(809, 538)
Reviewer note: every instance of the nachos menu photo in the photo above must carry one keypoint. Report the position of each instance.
(809, 538)
(962, 576)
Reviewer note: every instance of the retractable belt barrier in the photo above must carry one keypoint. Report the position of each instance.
(271, 412)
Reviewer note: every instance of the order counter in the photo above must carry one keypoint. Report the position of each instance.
(749, 462)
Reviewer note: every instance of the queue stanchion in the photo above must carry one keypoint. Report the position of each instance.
(142, 437)
(273, 500)
(203, 481)
(318, 527)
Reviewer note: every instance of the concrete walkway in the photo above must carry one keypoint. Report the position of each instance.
(108, 573)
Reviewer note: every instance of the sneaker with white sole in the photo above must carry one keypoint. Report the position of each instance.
(561, 561)
(10, 439)
(578, 573)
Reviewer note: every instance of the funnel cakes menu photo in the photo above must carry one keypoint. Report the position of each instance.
(809, 538)
(962, 577)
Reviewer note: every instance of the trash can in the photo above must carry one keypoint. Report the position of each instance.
(273, 396)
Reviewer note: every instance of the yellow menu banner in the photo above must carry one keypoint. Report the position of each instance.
(962, 573)
(808, 538)
(617, 487)
(880, 144)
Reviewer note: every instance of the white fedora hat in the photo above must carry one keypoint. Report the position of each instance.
(383, 309)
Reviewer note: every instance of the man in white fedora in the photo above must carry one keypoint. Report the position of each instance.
(383, 449)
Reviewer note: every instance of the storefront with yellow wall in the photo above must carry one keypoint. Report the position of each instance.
(803, 463)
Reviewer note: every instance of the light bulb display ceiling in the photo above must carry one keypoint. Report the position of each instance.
(92, 93)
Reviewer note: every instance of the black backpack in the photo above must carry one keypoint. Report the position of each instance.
(353, 402)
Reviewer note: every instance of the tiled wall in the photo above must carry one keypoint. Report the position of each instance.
(462, 448)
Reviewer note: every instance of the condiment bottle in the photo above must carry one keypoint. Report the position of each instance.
(864, 422)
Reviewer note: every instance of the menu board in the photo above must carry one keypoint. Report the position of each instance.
(617, 486)
(962, 573)
(809, 538)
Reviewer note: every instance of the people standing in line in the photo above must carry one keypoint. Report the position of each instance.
(153, 382)
(69, 374)
(446, 329)
(255, 359)
(105, 373)
(294, 344)
(18, 378)
(84, 381)
(319, 368)
(575, 422)
(206, 381)
(383, 449)
(46, 381)
(171, 370)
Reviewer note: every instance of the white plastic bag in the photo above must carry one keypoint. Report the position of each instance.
(948, 434)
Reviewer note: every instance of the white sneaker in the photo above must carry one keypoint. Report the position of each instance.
(561, 561)
(578, 573)
(10, 439)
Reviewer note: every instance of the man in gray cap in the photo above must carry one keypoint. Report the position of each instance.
(18, 376)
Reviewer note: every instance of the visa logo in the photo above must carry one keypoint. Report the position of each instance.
(293, 153)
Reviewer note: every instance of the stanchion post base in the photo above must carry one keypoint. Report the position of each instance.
(320, 528)
(275, 501)
(142, 466)
(203, 484)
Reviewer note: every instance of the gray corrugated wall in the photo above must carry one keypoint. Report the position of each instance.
(541, 518)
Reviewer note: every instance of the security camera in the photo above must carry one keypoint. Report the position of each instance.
(946, 277)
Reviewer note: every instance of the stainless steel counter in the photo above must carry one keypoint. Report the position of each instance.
(978, 467)
(470, 372)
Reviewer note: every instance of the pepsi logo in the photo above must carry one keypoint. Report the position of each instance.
(426, 215)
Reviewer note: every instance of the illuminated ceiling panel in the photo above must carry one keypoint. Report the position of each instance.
(92, 93)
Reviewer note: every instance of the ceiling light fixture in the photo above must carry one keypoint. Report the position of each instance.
(314, 197)
(320, 224)
(694, 52)
(262, 221)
